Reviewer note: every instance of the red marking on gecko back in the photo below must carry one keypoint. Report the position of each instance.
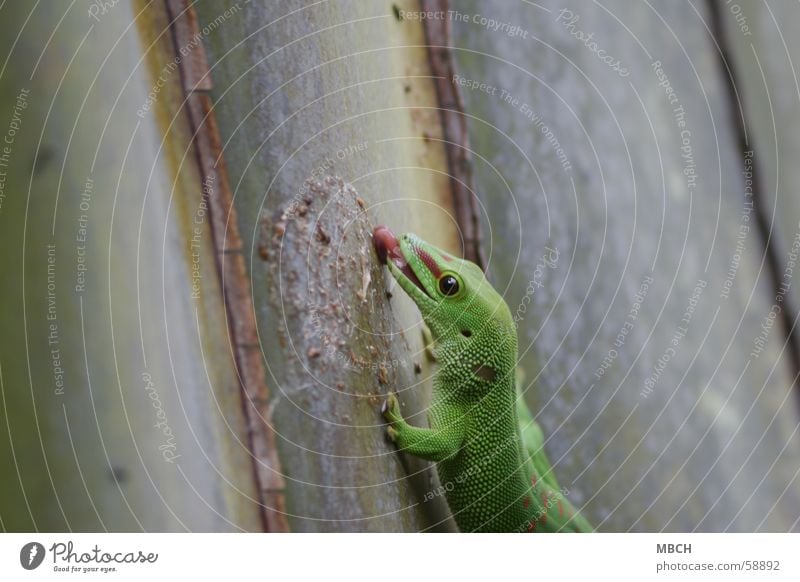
(429, 262)
(532, 525)
(533, 480)
(526, 502)
(560, 509)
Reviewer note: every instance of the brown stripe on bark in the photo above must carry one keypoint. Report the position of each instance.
(186, 34)
(454, 124)
(231, 266)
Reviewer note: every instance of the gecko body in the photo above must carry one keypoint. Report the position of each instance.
(488, 450)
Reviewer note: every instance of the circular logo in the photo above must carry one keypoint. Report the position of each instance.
(31, 555)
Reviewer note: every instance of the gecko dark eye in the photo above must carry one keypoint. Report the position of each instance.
(448, 285)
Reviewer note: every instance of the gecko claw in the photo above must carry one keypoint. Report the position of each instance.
(390, 409)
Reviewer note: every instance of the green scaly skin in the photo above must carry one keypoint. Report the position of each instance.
(487, 448)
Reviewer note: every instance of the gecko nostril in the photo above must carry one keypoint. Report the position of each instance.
(466, 333)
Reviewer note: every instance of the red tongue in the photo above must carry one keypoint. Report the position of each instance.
(388, 248)
(386, 244)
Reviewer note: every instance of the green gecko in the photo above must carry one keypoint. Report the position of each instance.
(487, 448)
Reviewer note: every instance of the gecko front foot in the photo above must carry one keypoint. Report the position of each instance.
(391, 409)
(391, 412)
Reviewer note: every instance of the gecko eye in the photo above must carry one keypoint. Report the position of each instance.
(449, 285)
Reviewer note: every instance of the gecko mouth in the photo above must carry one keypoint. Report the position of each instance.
(388, 248)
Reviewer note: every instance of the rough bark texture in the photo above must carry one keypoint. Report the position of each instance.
(330, 126)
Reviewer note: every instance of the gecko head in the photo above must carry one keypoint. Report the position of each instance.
(453, 295)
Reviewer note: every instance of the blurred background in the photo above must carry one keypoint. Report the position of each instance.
(197, 335)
